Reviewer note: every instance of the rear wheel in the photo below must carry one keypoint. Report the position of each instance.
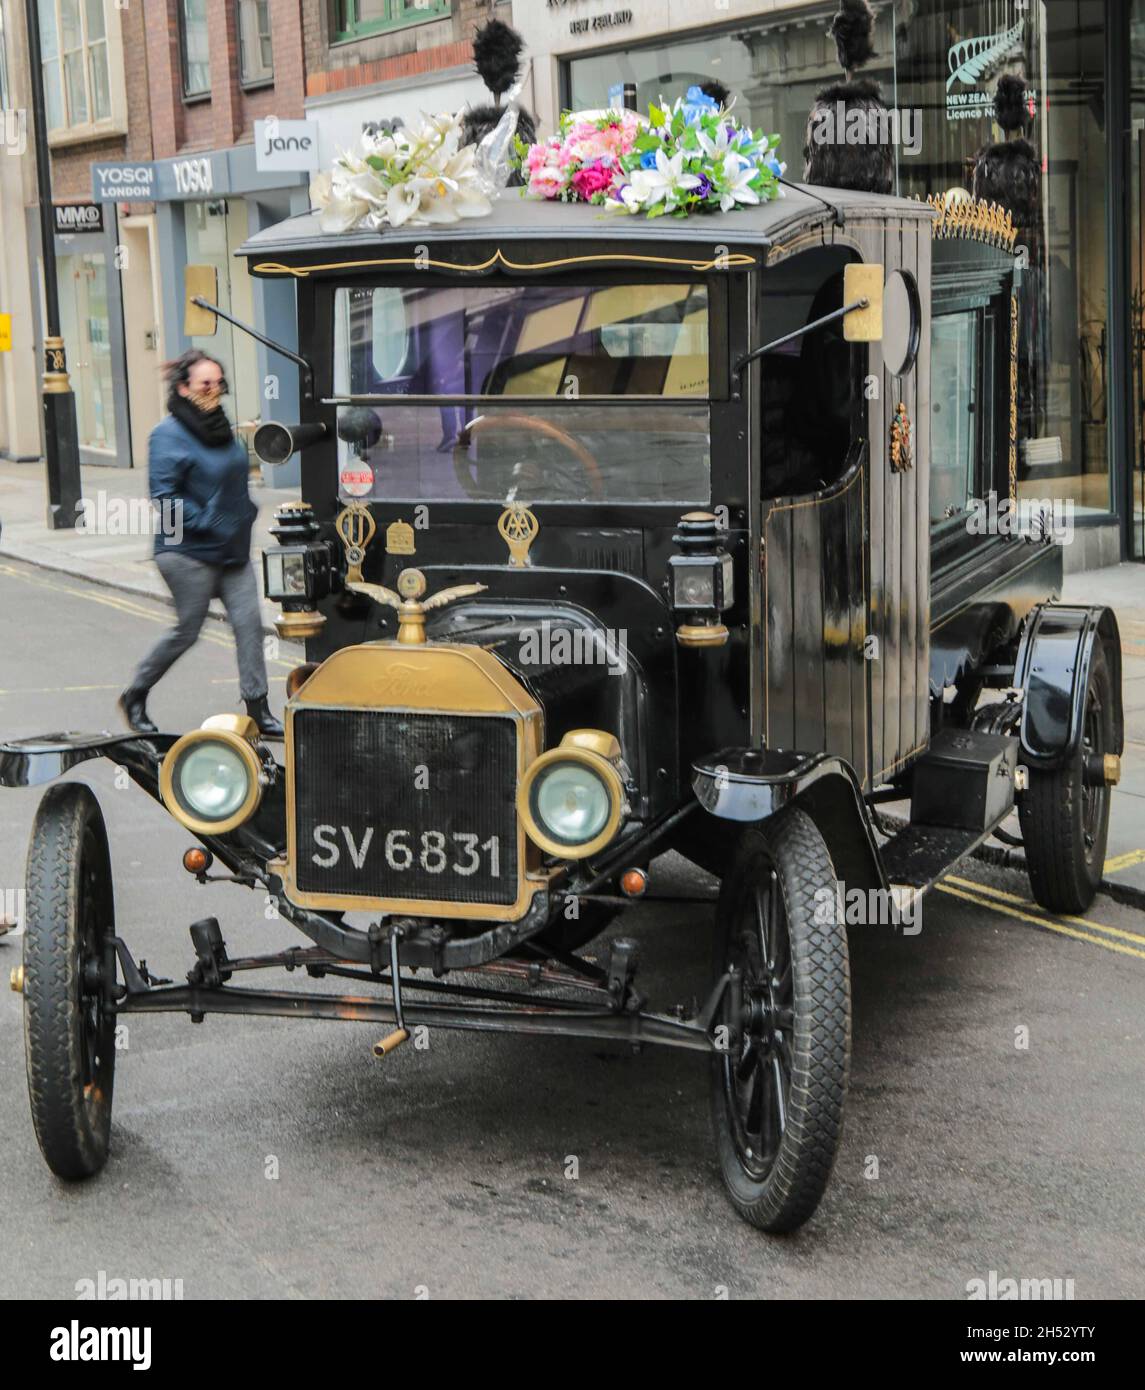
(69, 1038)
(778, 1087)
(1065, 822)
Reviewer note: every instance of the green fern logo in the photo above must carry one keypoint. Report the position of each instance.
(971, 60)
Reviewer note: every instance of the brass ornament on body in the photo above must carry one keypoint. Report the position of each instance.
(518, 527)
(356, 527)
(901, 458)
(409, 602)
(972, 219)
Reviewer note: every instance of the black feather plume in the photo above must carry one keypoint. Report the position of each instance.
(497, 55)
(829, 158)
(1010, 103)
(1009, 174)
(851, 28)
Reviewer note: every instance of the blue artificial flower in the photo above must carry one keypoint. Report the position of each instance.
(648, 159)
(774, 165)
(698, 104)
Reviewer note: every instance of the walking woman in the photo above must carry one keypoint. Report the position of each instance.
(199, 479)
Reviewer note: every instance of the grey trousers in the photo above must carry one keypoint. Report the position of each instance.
(193, 584)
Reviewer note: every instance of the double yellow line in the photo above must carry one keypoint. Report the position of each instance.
(1011, 905)
(111, 599)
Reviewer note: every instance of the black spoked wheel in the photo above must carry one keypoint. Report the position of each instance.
(69, 1037)
(778, 1085)
(1064, 812)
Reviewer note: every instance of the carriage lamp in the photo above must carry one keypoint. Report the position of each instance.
(701, 581)
(212, 779)
(571, 800)
(298, 573)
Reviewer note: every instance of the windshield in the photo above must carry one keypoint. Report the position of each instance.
(576, 393)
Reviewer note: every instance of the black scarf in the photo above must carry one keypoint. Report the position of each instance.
(210, 426)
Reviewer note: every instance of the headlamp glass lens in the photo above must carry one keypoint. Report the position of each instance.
(213, 780)
(571, 802)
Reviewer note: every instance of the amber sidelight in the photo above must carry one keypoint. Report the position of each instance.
(197, 860)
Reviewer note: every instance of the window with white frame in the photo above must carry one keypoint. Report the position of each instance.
(83, 68)
(256, 61)
(196, 48)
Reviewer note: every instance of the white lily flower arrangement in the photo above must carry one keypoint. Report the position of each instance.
(419, 175)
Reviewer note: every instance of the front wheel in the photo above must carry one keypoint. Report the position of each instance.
(779, 1081)
(69, 1036)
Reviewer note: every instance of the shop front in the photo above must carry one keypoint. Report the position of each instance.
(91, 322)
(939, 61)
(206, 205)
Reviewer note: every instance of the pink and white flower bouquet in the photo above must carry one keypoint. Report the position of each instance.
(693, 156)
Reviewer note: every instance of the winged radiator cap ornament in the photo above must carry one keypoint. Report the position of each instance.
(410, 605)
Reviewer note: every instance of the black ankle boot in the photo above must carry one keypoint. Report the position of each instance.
(133, 704)
(259, 711)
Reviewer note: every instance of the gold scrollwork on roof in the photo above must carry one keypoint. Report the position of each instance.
(722, 260)
(972, 219)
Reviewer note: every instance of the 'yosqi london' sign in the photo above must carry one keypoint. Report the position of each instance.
(119, 182)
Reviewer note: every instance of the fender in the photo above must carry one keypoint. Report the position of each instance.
(750, 784)
(30, 762)
(1052, 668)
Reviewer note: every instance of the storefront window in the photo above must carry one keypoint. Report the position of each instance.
(949, 58)
(1137, 275)
(938, 62)
(214, 230)
(86, 325)
(772, 67)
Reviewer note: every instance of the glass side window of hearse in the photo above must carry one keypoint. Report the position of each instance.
(954, 361)
(589, 393)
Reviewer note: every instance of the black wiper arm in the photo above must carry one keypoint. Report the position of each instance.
(749, 357)
(302, 362)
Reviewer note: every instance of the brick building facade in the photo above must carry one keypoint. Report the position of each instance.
(418, 50)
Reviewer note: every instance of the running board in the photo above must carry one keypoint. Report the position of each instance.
(919, 855)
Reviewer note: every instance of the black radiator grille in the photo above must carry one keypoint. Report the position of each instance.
(406, 805)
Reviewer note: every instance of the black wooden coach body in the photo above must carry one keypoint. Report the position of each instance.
(619, 535)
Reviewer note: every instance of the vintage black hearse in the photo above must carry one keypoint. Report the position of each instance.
(615, 536)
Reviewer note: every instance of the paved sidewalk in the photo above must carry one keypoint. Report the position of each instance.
(117, 560)
(124, 562)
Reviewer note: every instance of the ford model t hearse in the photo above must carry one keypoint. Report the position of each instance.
(616, 535)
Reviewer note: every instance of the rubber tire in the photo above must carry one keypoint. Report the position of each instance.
(792, 1190)
(1063, 876)
(68, 832)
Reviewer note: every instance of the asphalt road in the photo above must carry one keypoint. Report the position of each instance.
(273, 1159)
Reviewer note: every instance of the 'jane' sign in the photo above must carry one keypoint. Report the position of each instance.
(285, 146)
